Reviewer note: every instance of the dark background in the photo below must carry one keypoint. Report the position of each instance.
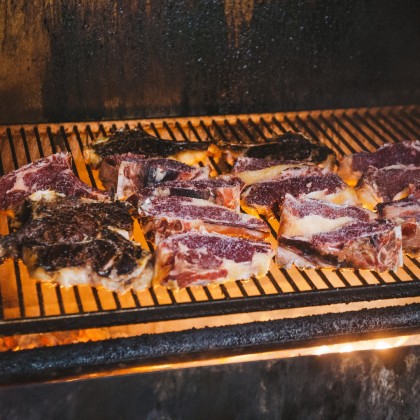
(109, 59)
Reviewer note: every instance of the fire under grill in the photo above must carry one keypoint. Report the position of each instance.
(284, 307)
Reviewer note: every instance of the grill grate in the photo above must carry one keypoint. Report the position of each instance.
(27, 306)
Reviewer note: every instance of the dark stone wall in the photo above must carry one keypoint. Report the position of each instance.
(102, 59)
(360, 385)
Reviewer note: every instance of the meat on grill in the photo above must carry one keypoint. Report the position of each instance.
(314, 234)
(136, 175)
(53, 172)
(285, 147)
(195, 258)
(224, 190)
(255, 170)
(245, 164)
(138, 141)
(265, 197)
(108, 170)
(109, 261)
(387, 184)
(352, 167)
(164, 216)
(406, 213)
(85, 213)
(71, 241)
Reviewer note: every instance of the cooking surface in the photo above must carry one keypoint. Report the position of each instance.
(27, 306)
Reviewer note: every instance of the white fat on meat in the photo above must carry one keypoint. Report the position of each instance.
(309, 225)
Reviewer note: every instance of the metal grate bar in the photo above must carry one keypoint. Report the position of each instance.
(326, 135)
(207, 131)
(408, 117)
(102, 130)
(155, 300)
(303, 126)
(12, 148)
(88, 169)
(393, 127)
(230, 128)
(171, 296)
(267, 127)
(404, 124)
(274, 283)
(220, 132)
(180, 129)
(51, 139)
(408, 132)
(258, 130)
(224, 291)
(78, 300)
(349, 120)
(290, 123)
(361, 278)
(25, 145)
(252, 138)
(308, 280)
(289, 279)
(278, 125)
(379, 138)
(257, 283)
(342, 277)
(38, 142)
(415, 262)
(191, 294)
(337, 134)
(165, 124)
(194, 131)
(324, 279)
(135, 299)
(208, 294)
(384, 133)
(350, 134)
(155, 131)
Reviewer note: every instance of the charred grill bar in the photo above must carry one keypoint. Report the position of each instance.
(252, 315)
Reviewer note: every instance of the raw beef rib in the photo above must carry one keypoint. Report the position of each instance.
(71, 241)
(200, 258)
(387, 184)
(164, 216)
(265, 197)
(53, 172)
(406, 213)
(314, 234)
(224, 190)
(352, 167)
(134, 176)
(127, 174)
(108, 170)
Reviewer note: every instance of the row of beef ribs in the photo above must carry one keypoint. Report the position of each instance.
(70, 233)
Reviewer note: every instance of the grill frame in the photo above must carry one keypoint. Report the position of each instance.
(157, 352)
(374, 126)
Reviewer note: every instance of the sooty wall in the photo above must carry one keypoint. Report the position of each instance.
(67, 60)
